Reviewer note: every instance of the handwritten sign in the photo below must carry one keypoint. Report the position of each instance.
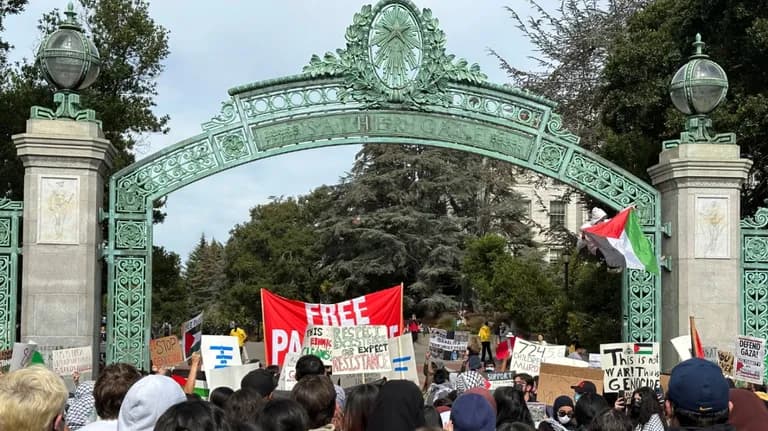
(219, 351)
(498, 380)
(538, 412)
(66, 361)
(166, 351)
(447, 345)
(360, 349)
(628, 366)
(5, 360)
(750, 359)
(710, 353)
(318, 341)
(725, 361)
(527, 357)
(22, 355)
(229, 377)
(556, 380)
(403, 359)
(287, 379)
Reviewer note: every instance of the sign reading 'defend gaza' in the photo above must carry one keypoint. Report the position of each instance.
(750, 359)
(360, 349)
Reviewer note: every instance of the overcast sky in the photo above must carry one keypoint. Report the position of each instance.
(218, 45)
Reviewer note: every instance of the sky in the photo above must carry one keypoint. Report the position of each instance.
(218, 45)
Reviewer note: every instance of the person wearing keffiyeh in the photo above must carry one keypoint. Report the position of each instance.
(81, 410)
(472, 378)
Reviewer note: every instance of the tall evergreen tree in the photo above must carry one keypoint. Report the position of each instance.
(168, 293)
(204, 277)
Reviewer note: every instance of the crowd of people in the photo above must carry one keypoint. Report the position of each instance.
(698, 398)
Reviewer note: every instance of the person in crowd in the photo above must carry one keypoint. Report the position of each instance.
(515, 426)
(81, 406)
(194, 415)
(584, 387)
(588, 406)
(318, 397)
(645, 411)
(237, 331)
(399, 407)
(261, 381)
(749, 412)
(146, 401)
(562, 416)
(311, 365)
(244, 405)
(220, 395)
(358, 407)
(579, 352)
(413, 328)
(510, 402)
(32, 398)
(471, 378)
(610, 420)
(697, 397)
(472, 412)
(474, 346)
(283, 414)
(108, 393)
(526, 383)
(484, 334)
(485, 393)
(432, 418)
(439, 388)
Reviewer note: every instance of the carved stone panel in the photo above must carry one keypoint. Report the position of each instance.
(58, 210)
(712, 235)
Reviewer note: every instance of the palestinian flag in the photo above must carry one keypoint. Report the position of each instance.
(697, 349)
(192, 335)
(643, 349)
(622, 242)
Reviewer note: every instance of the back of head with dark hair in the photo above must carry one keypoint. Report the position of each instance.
(358, 406)
(610, 420)
(432, 417)
(589, 405)
(111, 386)
(244, 406)
(514, 426)
(511, 406)
(193, 416)
(220, 395)
(441, 376)
(283, 414)
(318, 396)
(309, 365)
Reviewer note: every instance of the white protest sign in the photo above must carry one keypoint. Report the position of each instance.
(594, 360)
(628, 366)
(682, 345)
(219, 351)
(711, 353)
(498, 380)
(22, 354)
(229, 377)
(447, 345)
(287, 379)
(527, 357)
(403, 359)
(361, 349)
(570, 362)
(750, 359)
(66, 361)
(318, 341)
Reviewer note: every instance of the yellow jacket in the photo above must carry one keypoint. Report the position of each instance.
(485, 333)
(240, 334)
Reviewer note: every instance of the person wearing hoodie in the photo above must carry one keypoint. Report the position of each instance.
(749, 412)
(562, 416)
(146, 401)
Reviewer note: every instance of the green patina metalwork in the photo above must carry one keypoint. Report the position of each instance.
(10, 251)
(753, 293)
(392, 84)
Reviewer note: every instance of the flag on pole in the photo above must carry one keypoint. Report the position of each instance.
(192, 335)
(622, 242)
(697, 349)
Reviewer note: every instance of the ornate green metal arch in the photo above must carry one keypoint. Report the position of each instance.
(753, 294)
(10, 251)
(392, 84)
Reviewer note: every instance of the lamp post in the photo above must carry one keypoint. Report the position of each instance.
(566, 261)
(70, 62)
(697, 88)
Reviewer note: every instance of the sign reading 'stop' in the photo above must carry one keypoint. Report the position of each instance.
(286, 320)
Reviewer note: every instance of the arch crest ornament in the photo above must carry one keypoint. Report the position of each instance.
(393, 83)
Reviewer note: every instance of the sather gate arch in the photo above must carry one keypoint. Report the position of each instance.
(392, 84)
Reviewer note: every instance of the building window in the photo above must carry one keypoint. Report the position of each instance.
(526, 206)
(553, 254)
(556, 214)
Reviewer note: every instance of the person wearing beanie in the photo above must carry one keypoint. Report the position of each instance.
(562, 416)
(472, 412)
(146, 401)
(749, 412)
(697, 397)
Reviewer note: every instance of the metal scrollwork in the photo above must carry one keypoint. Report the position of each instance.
(227, 116)
(131, 234)
(642, 306)
(129, 315)
(550, 156)
(232, 146)
(754, 275)
(10, 250)
(758, 221)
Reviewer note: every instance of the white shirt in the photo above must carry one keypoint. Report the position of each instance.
(101, 425)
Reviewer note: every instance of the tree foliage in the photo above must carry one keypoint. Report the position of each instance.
(168, 291)
(204, 277)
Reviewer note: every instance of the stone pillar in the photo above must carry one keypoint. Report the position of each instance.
(65, 163)
(700, 187)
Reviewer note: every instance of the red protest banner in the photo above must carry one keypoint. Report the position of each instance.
(286, 320)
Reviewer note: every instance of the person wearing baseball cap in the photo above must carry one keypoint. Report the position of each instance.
(582, 388)
(697, 398)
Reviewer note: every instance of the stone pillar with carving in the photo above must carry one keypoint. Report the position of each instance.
(65, 162)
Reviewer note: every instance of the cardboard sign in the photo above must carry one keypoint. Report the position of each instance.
(318, 341)
(286, 320)
(447, 345)
(219, 351)
(65, 362)
(287, 379)
(725, 361)
(682, 345)
(498, 380)
(750, 359)
(22, 355)
(527, 357)
(556, 380)
(5, 360)
(538, 412)
(628, 366)
(403, 359)
(710, 353)
(191, 335)
(229, 377)
(166, 351)
(360, 349)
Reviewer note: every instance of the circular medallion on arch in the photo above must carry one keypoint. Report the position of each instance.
(395, 46)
